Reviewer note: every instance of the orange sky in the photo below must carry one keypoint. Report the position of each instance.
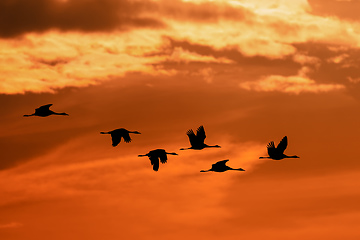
(251, 72)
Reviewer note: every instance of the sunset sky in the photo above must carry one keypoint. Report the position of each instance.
(250, 72)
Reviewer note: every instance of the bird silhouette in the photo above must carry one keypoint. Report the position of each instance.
(220, 166)
(45, 111)
(197, 141)
(117, 134)
(278, 152)
(155, 155)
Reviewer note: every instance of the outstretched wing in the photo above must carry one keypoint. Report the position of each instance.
(154, 162)
(126, 137)
(192, 137)
(200, 134)
(44, 108)
(220, 164)
(271, 148)
(116, 139)
(163, 157)
(282, 145)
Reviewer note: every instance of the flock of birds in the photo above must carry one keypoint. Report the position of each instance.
(196, 141)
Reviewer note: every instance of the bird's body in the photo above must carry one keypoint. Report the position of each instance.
(45, 111)
(277, 153)
(117, 134)
(155, 155)
(220, 166)
(197, 141)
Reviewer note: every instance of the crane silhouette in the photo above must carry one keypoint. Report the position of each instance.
(197, 141)
(220, 166)
(155, 155)
(278, 152)
(117, 134)
(45, 111)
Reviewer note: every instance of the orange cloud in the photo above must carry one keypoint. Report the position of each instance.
(11, 225)
(343, 9)
(83, 52)
(289, 84)
(181, 55)
(23, 16)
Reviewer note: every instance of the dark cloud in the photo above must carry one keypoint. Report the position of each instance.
(203, 12)
(256, 66)
(337, 65)
(22, 16)
(52, 62)
(230, 53)
(341, 9)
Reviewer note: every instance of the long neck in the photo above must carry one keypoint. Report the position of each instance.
(26, 115)
(294, 156)
(60, 113)
(205, 170)
(172, 153)
(104, 133)
(136, 132)
(185, 148)
(142, 155)
(213, 146)
(237, 169)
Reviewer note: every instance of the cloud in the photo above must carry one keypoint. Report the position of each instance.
(57, 61)
(338, 59)
(289, 84)
(354, 80)
(343, 9)
(62, 46)
(22, 16)
(11, 225)
(181, 55)
(206, 74)
(305, 59)
(52, 62)
(203, 12)
(337, 64)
